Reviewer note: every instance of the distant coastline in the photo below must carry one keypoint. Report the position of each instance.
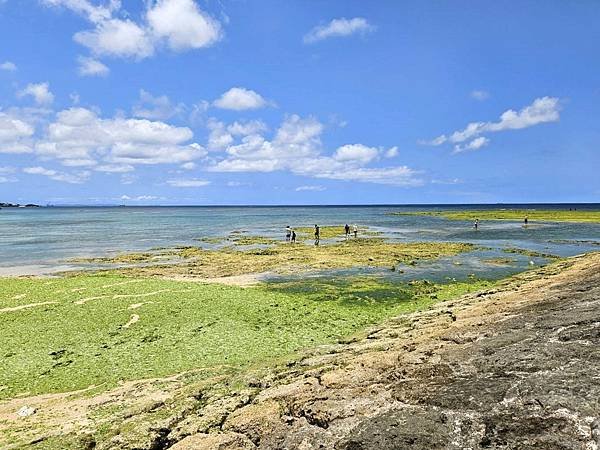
(18, 205)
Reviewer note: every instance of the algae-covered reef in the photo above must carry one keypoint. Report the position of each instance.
(70, 333)
(550, 215)
(410, 376)
(286, 258)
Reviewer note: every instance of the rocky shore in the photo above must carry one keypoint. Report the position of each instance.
(514, 367)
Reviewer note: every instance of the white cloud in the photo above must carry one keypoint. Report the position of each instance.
(161, 108)
(40, 93)
(239, 99)
(79, 134)
(480, 95)
(139, 198)
(542, 110)
(338, 28)
(15, 134)
(297, 147)
(310, 188)
(475, 144)
(391, 152)
(189, 166)
(74, 178)
(114, 168)
(8, 66)
(178, 24)
(238, 183)
(91, 67)
(117, 37)
(5, 175)
(188, 183)
(84, 7)
(395, 176)
(356, 152)
(221, 136)
(183, 25)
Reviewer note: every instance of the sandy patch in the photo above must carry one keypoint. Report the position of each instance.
(87, 299)
(31, 305)
(134, 319)
(139, 305)
(147, 294)
(19, 297)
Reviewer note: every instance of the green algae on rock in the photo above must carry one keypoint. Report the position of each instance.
(551, 215)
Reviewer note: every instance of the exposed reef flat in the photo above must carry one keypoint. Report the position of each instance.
(551, 215)
(513, 366)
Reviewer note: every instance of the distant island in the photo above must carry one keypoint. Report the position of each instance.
(17, 205)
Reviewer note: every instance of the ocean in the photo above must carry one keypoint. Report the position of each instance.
(45, 240)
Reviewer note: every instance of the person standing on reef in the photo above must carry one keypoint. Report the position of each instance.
(526, 221)
(317, 234)
(355, 231)
(293, 236)
(476, 224)
(347, 230)
(288, 233)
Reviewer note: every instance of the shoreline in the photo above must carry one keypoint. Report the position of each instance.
(348, 392)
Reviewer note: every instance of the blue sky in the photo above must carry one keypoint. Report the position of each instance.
(299, 102)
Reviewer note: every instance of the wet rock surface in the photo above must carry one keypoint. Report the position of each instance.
(516, 367)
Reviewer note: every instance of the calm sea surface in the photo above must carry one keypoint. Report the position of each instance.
(34, 241)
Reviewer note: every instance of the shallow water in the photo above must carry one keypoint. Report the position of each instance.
(34, 241)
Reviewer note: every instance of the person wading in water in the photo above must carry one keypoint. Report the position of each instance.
(317, 234)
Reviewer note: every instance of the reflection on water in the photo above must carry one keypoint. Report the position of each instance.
(39, 240)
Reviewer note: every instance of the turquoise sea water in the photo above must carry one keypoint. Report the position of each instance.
(43, 240)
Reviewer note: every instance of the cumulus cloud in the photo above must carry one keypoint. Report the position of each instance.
(40, 93)
(542, 110)
(161, 108)
(79, 134)
(72, 178)
(177, 24)
(475, 144)
(90, 67)
(297, 147)
(188, 183)
(15, 134)
(117, 37)
(8, 66)
(356, 152)
(182, 24)
(221, 135)
(339, 28)
(239, 99)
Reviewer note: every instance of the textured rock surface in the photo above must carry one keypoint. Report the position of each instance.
(518, 367)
